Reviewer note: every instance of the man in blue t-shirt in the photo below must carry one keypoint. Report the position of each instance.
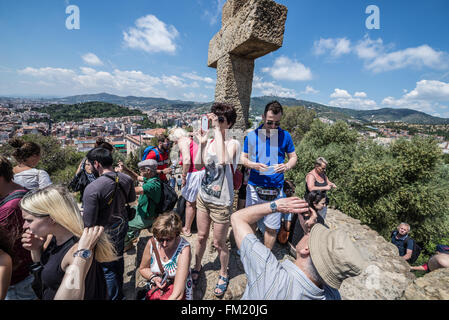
(264, 153)
(399, 238)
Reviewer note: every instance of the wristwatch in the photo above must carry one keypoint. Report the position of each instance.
(83, 253)
(273, 206)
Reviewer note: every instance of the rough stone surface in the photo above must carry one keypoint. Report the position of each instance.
(432, 286)
(386, 279)
(230, 9)
(234, 84)
(387, 275)
(251, 29)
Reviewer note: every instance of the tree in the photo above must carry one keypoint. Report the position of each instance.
(60, 163)
(297, 121)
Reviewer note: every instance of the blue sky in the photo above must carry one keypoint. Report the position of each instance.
(159, 49)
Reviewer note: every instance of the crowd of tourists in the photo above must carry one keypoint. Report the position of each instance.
(52, 247)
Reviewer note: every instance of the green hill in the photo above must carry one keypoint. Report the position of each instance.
(80, 111)
(140, 102)
(258, 105)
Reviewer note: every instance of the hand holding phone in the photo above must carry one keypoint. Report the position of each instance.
(204, 123)
(164, 278)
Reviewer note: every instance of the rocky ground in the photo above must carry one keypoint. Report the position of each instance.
(386, 278)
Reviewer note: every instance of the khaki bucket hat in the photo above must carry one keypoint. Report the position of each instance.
(334, 255)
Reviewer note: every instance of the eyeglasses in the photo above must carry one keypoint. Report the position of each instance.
(221, 119)
(270, 123)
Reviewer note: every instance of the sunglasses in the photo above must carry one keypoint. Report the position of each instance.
(161, 240)
(221, 119)
(270, 123)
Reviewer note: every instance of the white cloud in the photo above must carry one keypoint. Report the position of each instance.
(272, 89)
(430, 90)
(426, 97)
(419, 57)
(174, 81)
(121, 82)
(369, 49)
(339, 93)
(336, 47)
(286, 69)
(92, 60)
(194, 76)
(49, 73)
(196, 97)
(360, 95)
(379, 57)
(151, 35)
(343, 99)
(310, 90)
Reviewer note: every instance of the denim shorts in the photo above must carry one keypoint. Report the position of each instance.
(22, 290)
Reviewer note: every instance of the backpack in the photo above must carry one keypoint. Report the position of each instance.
(14, 195)
(181, 211)
(416, 248)
(147, 151)
(130, 211)
(168, 198)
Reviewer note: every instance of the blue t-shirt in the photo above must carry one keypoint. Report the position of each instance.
(400, 243)
(269, 150)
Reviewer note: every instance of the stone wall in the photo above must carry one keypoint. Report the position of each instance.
(433, 286)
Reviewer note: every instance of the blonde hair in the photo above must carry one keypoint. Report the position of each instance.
(57, 202)
(177, 133)
(168, 224)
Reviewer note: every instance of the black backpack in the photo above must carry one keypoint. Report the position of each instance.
(416, 248)
(181, 211)
(168, 198)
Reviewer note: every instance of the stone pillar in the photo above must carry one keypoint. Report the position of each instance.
(234, 85)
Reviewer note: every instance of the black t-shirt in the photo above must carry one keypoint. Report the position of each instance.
(52, 273)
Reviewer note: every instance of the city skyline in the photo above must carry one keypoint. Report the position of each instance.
(159, 49)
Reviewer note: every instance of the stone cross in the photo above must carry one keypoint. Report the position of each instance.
(250, 29)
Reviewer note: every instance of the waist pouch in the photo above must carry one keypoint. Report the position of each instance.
(268, 194)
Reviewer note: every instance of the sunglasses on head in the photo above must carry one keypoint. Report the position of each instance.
(270, 123)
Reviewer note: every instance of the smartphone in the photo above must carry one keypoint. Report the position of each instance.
(204, 123)
(164, 278)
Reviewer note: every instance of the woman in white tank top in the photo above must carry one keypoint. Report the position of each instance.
(214, 203)
(28, 155)
(174, 253)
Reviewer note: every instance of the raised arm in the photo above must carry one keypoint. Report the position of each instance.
(76, 268)
(34, 244)
(184, 148)
(202, 144)
(243, 219)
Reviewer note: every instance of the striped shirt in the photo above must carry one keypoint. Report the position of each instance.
(269, 279)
